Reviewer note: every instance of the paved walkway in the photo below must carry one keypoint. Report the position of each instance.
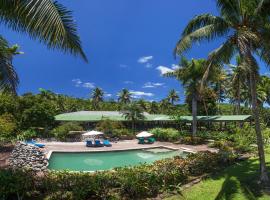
(120, 145)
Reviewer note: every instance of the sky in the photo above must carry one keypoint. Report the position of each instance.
(129, 44)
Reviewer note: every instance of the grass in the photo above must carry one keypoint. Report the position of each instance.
(237, 182)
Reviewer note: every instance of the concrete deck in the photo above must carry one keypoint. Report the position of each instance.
(120, 145)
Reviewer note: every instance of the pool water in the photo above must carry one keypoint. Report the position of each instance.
(93, 161)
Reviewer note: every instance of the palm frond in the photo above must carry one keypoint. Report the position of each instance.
(45, 20)
(230, 10)
(207, 32)
(8, 77)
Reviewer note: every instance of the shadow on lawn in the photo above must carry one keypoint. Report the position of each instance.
(240, 177)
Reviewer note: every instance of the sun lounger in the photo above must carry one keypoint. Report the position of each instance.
(151, 140)
(33, 142)
(141, 141)
(107, 143)
(89, 143)
(98, 143)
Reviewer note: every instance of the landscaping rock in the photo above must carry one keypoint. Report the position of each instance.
(28, 157)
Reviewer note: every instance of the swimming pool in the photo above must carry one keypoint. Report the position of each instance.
(93, 161)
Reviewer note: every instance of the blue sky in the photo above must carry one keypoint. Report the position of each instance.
(128, 44)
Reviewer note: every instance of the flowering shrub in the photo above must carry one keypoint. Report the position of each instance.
(139, 182)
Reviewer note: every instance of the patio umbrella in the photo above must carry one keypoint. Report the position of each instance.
(144, 134)
(92, 134)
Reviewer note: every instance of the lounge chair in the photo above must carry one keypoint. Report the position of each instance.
(33, 142)
(107, 143)
(141, 141)
(151, 140)
(98, 143)
(89, 143)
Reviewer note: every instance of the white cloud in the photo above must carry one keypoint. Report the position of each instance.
(148, 65)
(88, 85)
(145, 59)
(164, 70)
(174, 66)
(107, 95)
(128, 82)
(140, 94)
(79, 83)
(152, 85)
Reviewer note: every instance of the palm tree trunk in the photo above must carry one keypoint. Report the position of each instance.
(194, 114)
(263, 170)
(238, 107)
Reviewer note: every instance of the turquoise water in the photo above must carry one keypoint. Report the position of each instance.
(92, 161)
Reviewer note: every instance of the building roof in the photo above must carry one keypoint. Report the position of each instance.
(92, 116)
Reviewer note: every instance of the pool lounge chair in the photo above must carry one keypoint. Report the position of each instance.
(151, 140)
(107, 143)
(141, 141)
(98, 143)
(33, 142)
(89, 143)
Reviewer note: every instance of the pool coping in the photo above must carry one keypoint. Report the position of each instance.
(184, 149)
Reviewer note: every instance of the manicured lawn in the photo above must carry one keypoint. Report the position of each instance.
(237, 182)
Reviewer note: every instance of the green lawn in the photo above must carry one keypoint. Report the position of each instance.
(238, 182)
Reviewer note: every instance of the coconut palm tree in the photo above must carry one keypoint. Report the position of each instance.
(191, 75)
(97, 97)
(44, 20)
(133, 112)
(124, 96)
(164, 105)
(173, 96)
(246, 29)
(153, 107)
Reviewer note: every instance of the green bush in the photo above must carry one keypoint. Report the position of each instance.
(62, 132)
(7, 128)
(138, 182)
(108, 127)
(192, 140)
(166, 134)
(27, 135)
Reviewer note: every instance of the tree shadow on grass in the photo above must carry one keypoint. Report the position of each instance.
(242, 177)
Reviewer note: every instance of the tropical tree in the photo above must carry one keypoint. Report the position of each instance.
(164, 105)
(133, 112)
(153, 107)
(173, 96)
(97, 97)
(124, 96)
(191, 75)
(244, 24)
(44, 20)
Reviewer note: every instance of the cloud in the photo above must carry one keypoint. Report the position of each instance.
(128, 82)
(108, 95)
(164, 70)
(152, 85)
(145, 59)
(79, 83)
(148, 65)
(174, 66)
(140, 94)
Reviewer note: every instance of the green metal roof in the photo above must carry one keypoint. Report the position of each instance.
(92, 116)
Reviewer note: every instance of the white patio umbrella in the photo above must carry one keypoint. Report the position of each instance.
(92, 134)
(144, 134)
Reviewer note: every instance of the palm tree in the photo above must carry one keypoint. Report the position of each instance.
(97, 97)
(246, 29)
(124, 96)
(164, 105)
(191, 75)
(44, 20)
(153, 107)
(133, 112)
(173, 96)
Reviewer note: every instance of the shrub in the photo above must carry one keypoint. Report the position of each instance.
(192, 140)
(7, 128)
(26, 135)
(123, 133)
(61, 132)
(166, 134)
(108, 127)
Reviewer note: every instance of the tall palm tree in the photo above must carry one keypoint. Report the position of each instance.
(44, 20)
(246, 29)
(133, 112)
(97, 97)
(173, 96)
(164, 105)
(124, 96)
(191, 75)
(153, 107)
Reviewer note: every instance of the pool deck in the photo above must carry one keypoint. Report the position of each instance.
(120, 145)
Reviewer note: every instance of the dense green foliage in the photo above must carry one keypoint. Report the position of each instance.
(137, 182)
(62, 132)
